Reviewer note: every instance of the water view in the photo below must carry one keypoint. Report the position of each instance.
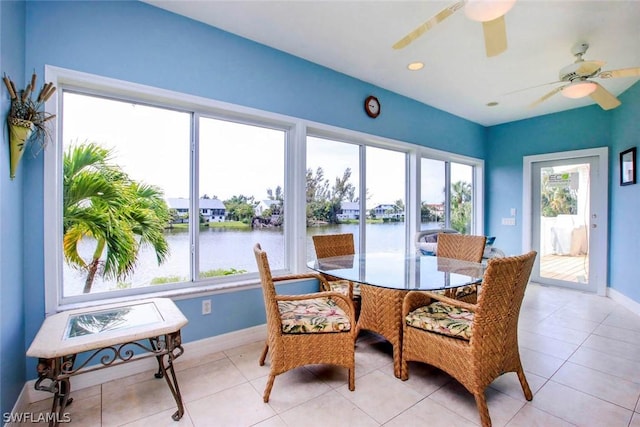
(223, 248)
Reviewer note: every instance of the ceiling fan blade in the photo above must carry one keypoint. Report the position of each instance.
(533, 87)
(547, 96)
(604, 98)
(495, 36)
(624, 72)
(587, 68)
(438, 18)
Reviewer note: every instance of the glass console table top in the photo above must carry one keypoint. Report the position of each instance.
(90, 328)
(115, 318)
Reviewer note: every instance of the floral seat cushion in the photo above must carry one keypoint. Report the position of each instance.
(459, 292)
(342, 286)
(318, 315)
(442, 319)
(463, 291)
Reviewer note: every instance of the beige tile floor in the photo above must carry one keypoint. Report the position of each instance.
(581, 354)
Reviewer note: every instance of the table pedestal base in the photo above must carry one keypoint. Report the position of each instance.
(381, 312)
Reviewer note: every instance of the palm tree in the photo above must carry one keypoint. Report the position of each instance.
(101, 202)
(460, 206)
(557, 200)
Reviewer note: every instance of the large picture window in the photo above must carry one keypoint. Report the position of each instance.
(128, 217)
(335, 204)
(154, 191)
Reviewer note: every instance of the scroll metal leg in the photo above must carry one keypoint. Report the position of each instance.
(156, 349)
(60, 402)
(171, 343)
(53, 370)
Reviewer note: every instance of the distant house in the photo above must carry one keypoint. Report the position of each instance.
(437, 210)
(349, 210)
(386, 210)
(271, 206)
(264, 205)
(211, 210)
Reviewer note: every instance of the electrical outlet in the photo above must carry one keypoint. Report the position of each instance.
(206, 306)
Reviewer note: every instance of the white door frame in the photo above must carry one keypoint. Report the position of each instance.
(599, 241)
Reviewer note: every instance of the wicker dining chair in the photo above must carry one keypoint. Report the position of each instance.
(467, 248)
(474, 343)
(330, 245)
(305, 329)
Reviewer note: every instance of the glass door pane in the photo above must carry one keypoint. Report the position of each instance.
(561, 221)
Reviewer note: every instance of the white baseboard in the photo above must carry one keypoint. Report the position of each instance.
(624, 300)
(192, 350)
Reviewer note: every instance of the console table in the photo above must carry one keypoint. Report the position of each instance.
(110, 335)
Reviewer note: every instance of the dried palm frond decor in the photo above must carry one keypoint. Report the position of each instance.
(27, 119)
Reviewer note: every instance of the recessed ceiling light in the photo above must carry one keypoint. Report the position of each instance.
(492, 104)
(415, 66)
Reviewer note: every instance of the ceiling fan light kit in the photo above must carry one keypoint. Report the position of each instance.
(577, 81)
(487, 10)
(580, 89)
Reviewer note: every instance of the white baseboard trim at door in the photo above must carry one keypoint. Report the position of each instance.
(624, 301)
(194, 350)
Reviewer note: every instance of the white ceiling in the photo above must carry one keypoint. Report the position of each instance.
(355, 38)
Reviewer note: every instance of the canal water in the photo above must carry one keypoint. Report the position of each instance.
(223, 248)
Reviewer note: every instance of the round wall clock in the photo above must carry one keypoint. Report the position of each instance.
(372, 106)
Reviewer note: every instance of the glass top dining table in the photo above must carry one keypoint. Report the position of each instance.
(386, 278)
(400, 271)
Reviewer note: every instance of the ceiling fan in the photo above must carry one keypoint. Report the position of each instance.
(489, 12)
(578, 84)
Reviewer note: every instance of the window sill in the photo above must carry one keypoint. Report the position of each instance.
(176, 294)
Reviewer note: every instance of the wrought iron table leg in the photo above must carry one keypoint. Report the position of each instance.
(172, 382)
(61, 400)
(54, 374)
(60, 386)
(171, 343)
(154, 346)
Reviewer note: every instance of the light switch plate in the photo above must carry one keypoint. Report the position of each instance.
(508, 221)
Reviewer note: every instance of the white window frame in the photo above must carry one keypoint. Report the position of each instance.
(295, 175)
(89, 84)
(477, 197)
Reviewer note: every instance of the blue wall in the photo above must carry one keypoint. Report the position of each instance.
(139, 43)
(12, 332)
(576, 129)
(624, 243)
(582, 128)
